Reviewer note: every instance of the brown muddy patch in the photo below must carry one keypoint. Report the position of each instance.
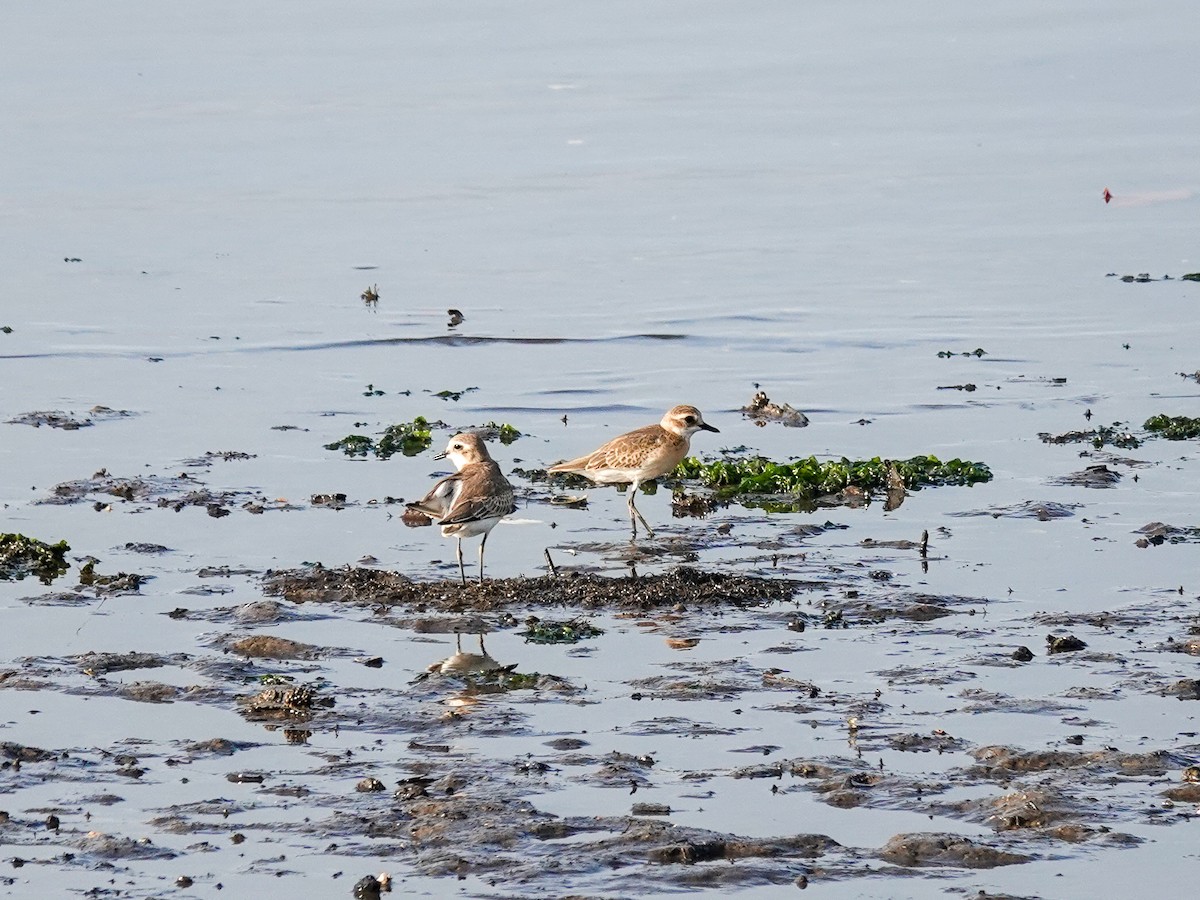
(1042, 510)
(272, 647)
(1097, 476)
(681, 588)
(910, 850)
(445, 805)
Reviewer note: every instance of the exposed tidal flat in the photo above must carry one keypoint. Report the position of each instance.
(233, 237)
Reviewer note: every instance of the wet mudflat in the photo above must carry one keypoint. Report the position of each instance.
(922, 619)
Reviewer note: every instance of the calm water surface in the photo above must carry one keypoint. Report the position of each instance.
(682, 203)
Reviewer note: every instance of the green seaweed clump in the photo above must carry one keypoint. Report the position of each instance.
(409, 438)
(1174, 428)
(758, 475)
(546, 632)
(21, 556)
(454, 395)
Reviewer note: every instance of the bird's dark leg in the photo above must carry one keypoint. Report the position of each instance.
(633, 511)
(481, 545)
(461, 571)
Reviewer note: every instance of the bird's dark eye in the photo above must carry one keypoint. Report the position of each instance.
(691, 420)
(458, 446)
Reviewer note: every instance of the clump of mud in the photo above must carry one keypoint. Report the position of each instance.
(945, 850)
(682, 587)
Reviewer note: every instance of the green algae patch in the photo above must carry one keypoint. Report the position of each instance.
(21, 556)
(811, 477)
(1174, 428)
(409, 438)
(454, 395)
(542, 631)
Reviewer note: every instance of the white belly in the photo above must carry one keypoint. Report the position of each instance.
(470, 529)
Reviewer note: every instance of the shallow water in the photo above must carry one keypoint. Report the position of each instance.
(633, 208)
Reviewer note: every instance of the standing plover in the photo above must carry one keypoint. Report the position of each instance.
(641, 455)
(470, 502)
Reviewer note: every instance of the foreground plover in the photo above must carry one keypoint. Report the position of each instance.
(641, 455)
(470, 502)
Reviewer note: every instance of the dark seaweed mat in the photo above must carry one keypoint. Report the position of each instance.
(21, 556)
(683, 586)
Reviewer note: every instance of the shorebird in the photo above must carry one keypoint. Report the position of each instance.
(641, 455)
(470, 502)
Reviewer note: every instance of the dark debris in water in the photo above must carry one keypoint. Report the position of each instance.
(1043, 511)
(22, 556)
(1063, 643)
(1119, 434)
(947, 354)
(1155, 534)
(682, 587)
(761, 410)
(142, 547)
(1098, 476)
(284, 702)
(119, 583)
(171, 492)
(1146, 277)
(211, 456)
(1116, 434)
(69, 421)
